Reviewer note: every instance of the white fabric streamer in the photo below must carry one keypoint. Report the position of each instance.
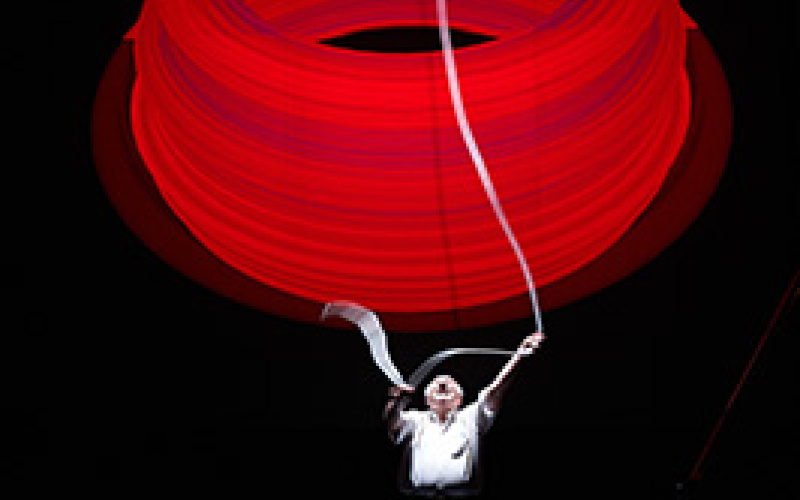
(477, 158)
(370, 326)
(367, 320)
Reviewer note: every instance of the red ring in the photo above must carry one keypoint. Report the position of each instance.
(688, 185)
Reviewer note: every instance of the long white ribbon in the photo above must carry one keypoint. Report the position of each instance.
(370, 325)
(367, 320)
(477, 158)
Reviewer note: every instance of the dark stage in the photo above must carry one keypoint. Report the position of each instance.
(116, 367)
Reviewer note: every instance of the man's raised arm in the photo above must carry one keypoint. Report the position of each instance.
(493, 393)
(395, 407)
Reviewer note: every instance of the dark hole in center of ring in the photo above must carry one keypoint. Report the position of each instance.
(404, 39)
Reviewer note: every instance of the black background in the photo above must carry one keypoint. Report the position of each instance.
(117, 367)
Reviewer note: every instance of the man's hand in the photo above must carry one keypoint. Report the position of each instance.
(530, 343)
(394, 407)
(397, 391)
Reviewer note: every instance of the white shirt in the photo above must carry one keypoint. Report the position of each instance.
(444, 453)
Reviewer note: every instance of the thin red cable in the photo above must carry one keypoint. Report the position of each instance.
(695, 474)
(440, 184)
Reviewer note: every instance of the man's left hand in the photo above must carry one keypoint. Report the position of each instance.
(397, 391)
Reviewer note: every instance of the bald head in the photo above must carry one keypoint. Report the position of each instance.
(443, 394)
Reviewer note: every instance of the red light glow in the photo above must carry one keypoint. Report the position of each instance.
(328, 173)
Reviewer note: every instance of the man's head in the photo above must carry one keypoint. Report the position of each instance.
(443, 394)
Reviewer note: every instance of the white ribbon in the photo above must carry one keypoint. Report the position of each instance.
(370, 326)
(477, 158)
(367, 320)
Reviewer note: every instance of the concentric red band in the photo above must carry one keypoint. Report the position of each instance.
(319, 195)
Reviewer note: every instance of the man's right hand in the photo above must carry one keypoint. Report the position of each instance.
(398, 390)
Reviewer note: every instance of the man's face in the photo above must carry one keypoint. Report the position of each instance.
(443, 394)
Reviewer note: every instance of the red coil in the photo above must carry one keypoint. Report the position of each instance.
(313, 169)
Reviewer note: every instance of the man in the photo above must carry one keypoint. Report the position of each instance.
(443, 441)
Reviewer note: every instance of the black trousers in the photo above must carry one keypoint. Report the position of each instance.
(443, 492)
